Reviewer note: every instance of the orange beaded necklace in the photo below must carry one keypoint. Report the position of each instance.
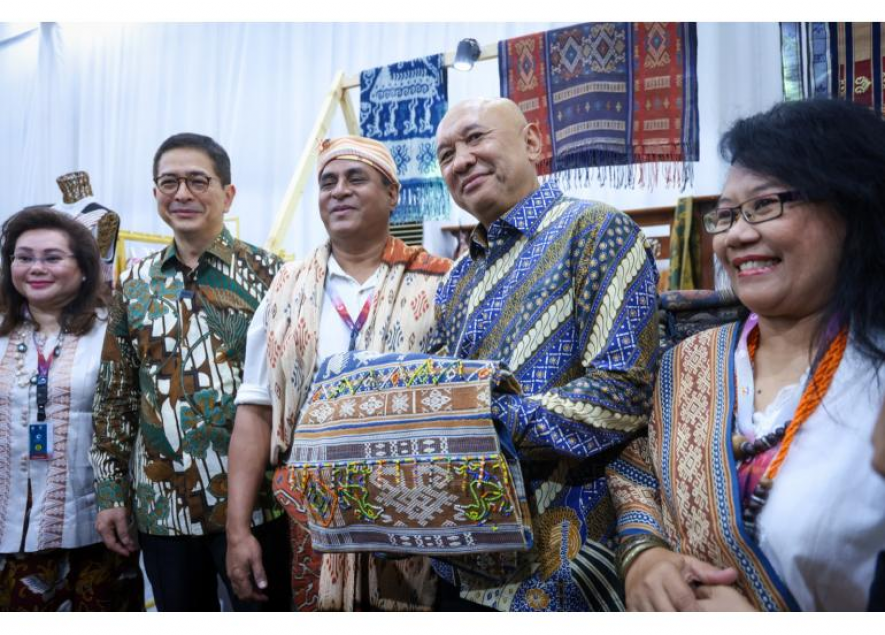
(814, 392)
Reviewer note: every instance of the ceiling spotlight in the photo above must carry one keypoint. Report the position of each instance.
(467, 54)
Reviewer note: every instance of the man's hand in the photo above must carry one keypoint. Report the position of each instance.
(662, 580)
(722, 598)
(244, 567)
(247, 460)
(114, 529)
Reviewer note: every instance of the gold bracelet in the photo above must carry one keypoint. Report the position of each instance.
(632, 546)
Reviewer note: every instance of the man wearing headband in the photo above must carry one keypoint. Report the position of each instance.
(374, 293)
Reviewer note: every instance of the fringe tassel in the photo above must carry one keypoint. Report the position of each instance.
(609, 169)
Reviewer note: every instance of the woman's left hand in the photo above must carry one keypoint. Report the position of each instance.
(721, 598)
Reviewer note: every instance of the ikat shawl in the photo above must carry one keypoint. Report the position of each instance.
(617, 96)
(400, 320)
(679, 483)
(402, 105)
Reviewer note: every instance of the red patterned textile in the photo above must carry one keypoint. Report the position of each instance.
(84, 579)
(660, 93)
(617, 96)
(523, 79)
(306, 566)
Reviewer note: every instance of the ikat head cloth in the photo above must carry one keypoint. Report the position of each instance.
(354, 148)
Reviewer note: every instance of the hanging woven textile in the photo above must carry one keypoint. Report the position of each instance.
(401, 105)
(685, 248)
(843, 60)
(620, 97)
(523, 72)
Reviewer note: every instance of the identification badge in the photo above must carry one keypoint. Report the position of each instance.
(40, 441)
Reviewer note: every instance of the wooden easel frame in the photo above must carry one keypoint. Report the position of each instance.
(336, 97)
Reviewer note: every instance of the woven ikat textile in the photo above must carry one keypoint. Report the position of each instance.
(401, 105)
(608, 94)
(398, 453)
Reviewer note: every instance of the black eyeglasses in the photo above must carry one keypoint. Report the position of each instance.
(196, 183)
(756, 210)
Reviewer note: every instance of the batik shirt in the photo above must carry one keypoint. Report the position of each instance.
(563, 292)
(171, 365)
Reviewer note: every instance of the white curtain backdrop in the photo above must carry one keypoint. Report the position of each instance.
(102, 97)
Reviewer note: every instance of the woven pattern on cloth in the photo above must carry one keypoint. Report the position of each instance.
(612, 95)
(841, 60)
(679, 483)
(398, 453)
(401, 105)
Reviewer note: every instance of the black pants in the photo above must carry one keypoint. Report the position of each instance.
(183, 569)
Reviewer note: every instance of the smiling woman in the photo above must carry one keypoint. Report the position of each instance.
(781, 433)
(52, 301)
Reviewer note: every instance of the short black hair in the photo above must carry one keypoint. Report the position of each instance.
(217, 154)
(832, 151)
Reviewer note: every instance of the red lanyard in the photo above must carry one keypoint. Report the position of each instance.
(43, 364)
(355, 327)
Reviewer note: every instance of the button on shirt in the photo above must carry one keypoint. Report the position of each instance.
(171, 366)
(562, 291)
(334, 334)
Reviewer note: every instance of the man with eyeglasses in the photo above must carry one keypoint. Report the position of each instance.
(171, 366)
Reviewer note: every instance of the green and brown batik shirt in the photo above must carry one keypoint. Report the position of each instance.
(171, 365)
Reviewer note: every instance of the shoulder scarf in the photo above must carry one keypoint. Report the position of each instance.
(694, 408)
(399, 321)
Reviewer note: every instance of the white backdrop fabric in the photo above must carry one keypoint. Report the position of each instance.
(102, 97)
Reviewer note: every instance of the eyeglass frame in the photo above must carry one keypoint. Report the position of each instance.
(787, 196)
(187, 183)
(16, 261)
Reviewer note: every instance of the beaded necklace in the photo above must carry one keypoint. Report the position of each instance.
(20, 338)
(783, 436)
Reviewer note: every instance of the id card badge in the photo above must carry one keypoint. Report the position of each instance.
(40, 441)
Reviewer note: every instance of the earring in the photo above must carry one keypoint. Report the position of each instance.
(83, 279)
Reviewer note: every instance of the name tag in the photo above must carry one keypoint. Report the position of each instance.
(40, 441)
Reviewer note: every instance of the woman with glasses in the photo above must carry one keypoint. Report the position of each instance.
(755, 488)
(52, 325)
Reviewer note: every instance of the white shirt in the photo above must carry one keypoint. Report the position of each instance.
(334, 336)
(824, 522)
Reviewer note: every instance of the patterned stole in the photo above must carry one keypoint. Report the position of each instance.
(843, 60)
(401, 105)
(400, 321)
(610, 95)
(698, 477)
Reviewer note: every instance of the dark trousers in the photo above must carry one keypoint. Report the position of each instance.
(183, 569)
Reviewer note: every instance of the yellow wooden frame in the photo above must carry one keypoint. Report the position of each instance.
(123, 236)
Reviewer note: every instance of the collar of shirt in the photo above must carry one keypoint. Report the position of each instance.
(524, 218)
(335, 271)
(220, 248)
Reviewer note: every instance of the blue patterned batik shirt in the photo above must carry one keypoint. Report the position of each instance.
(563, 292)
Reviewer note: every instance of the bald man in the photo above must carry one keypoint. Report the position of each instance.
(563, 292)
